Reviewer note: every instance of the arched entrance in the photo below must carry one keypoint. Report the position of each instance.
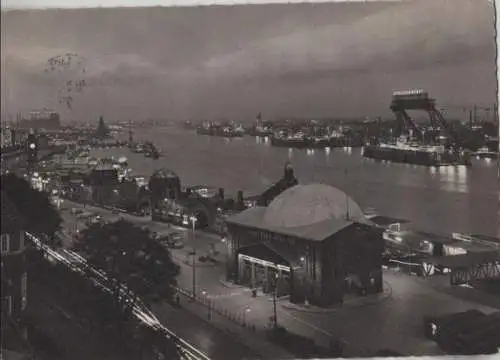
(260, 267)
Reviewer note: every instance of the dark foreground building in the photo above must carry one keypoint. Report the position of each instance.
(14, 277)
(312, 242)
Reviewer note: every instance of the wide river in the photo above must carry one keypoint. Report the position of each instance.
(441, 200)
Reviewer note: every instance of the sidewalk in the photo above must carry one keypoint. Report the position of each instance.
(350, 303)
(442, 284)
(237, 325)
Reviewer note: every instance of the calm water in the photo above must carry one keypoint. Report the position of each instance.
(446, 199)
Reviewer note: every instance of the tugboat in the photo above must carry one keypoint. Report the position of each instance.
(151, 151)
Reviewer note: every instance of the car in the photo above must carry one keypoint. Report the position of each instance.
(177, 244)
(76, 211)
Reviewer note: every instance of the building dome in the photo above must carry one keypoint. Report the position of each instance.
(304, 205)
(164, 174)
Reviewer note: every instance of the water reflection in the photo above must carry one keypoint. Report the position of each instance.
(453, 178)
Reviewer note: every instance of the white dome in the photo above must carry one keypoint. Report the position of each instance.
(304, 205)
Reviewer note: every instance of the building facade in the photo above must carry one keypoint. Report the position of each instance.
(14, 269)
(311, 243)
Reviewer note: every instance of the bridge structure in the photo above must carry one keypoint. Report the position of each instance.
(403, 101)
(467, 268)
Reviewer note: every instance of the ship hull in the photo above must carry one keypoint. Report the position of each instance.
(415, 156)
(296, 144)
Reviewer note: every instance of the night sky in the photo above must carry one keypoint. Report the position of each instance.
(323, 60)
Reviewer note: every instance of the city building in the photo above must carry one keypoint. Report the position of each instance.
(312, 242)
(14, 275)
(43, 119)
(287, 181)
(169, 203)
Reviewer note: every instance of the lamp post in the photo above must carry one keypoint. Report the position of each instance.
(193, 264)
(209, 305)
(247, 310)
(275, 299)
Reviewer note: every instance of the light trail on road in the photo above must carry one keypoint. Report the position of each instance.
(79, 264)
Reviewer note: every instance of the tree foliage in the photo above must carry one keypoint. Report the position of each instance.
(103, 314)
(40, 215)
(131, 255)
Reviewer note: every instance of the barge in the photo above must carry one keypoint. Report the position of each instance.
(416, 154)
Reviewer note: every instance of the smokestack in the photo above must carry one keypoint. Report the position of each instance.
(221, 193)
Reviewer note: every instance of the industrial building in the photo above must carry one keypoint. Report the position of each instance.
(312, 242)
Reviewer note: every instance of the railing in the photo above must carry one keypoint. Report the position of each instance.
(237, 318)
(79, 264)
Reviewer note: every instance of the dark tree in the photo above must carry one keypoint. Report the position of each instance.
(131, 255)
(42, 217)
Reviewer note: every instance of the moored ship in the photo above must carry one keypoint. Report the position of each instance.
(486, 153)
(227, 131)
(416, 154)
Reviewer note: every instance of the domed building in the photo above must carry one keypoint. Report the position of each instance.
(308, 243)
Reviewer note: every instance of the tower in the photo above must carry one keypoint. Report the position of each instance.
(32, 150)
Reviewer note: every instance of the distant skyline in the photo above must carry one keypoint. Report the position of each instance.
(318, 60)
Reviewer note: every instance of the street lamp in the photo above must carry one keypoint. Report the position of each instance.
(209, 305)
(193, 222)
(247, 310)
(275, 295)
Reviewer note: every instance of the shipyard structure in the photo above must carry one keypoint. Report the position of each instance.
(440, 144)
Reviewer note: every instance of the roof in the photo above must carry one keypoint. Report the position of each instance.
(304, 205)
(489, 238)
(466, 260)
(254, 218)
(385, 221)
(11, 219)
(269, 252)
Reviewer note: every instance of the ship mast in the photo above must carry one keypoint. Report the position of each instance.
(130, 134)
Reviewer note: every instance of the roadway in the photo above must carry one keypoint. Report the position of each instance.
(214, 343)
(394, 322)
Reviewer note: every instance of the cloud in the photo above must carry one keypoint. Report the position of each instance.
(416, 35)
(237, 61)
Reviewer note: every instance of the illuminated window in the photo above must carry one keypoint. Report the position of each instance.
(5, 246)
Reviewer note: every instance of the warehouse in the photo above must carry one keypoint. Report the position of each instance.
(312, 243)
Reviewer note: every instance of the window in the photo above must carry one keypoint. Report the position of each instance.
(24, 287)
(5, 246)
(7, 305)
(21, 240)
